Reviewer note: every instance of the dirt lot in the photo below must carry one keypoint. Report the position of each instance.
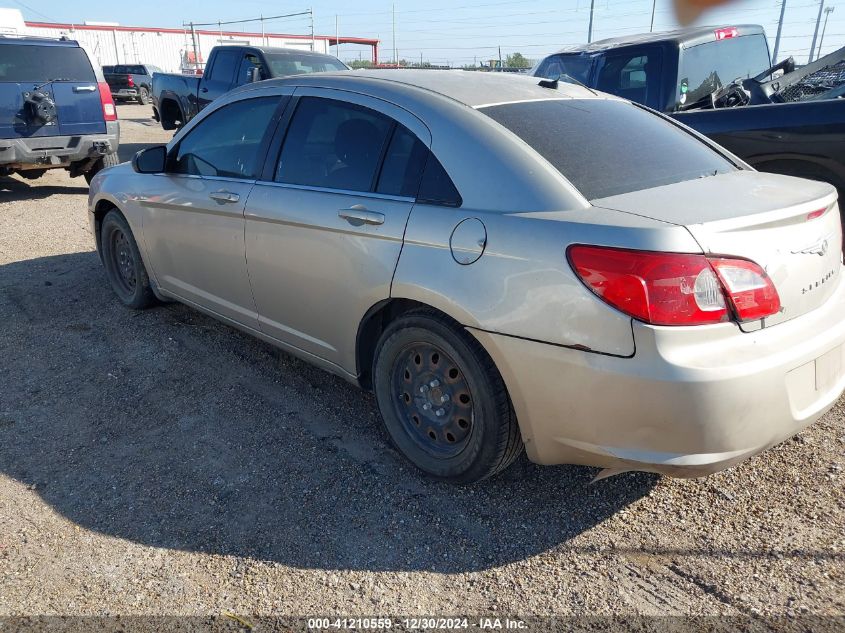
(162, 463)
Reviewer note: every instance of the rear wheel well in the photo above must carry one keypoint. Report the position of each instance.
(372, 325)
(170, 115)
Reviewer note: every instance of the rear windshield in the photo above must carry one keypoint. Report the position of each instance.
(126, 70)
(27, 63)
(289, 64)
(605, 148)
(708, 67)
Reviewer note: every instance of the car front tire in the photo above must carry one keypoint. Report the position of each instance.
(443, 402)
(122, 260)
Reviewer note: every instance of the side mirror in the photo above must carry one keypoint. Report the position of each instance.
(152, 160)
(254, 74)
(789, 67)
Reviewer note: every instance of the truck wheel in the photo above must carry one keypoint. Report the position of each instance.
(109, 160)
(443, 402)
(122, 261)
(143, 96)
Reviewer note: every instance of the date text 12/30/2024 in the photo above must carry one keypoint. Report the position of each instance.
(417, 624)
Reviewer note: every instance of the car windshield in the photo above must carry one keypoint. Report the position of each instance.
(283, 64)
(25, 63)
(127, 70)
(609, 147)
(576, 66)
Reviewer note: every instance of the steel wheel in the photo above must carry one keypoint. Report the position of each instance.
(124, 261)
(433, 400)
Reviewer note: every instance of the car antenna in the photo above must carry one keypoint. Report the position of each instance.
(553, 83)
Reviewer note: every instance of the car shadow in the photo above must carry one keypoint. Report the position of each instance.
(172, 430)
(14, 189)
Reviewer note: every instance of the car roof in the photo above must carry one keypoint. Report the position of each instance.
(474, 89)
(29, 40)
(683, 37)
(279, 50)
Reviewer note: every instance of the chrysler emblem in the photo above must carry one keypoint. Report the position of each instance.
(819, 248)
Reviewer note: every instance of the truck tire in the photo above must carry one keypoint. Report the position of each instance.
(109, 160)
(442, 399)
(143, 96)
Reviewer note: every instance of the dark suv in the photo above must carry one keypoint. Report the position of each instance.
(131, 81)
(56, 110)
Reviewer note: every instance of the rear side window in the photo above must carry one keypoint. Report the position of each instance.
(223, 68)
(606, 148)
(26, 63)
(227, 142)
(436, 187)
(403, 164)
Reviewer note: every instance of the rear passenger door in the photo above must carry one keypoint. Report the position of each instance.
(324, 226)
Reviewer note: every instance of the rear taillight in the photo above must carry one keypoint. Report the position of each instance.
(129, 81)
(675, 288)
(109, 112)
(748, 287)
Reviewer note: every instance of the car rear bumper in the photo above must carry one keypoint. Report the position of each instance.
(125, 93)
(47, 152)
(690, 402)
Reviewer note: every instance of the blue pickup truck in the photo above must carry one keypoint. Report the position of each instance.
(56, 110)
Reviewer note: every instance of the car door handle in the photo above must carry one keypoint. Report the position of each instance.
(224, 196)
(84, 88)
(203, 89)
(358, 215)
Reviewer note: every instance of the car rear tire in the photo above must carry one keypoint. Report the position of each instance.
(143, 96)
(443, 402)
(109, 160)
(122, 261)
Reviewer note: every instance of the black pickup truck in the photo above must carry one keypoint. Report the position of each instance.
(131, 81)
(710, 79)
(178, 98)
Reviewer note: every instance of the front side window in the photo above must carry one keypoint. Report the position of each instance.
(608, 147)
(634, 76)
(226, 143)
(333, 144)
(249, 62)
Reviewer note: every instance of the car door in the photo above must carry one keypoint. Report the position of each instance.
(218, 79)
(193, 219)
(324, 226)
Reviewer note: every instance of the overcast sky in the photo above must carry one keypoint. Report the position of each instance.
(459, 31)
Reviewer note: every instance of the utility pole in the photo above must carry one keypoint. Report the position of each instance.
(501, 67)
(590, 29)
(827, 13)
(311, 11)
(262, 30)
(395, 52)
(780, 30)
(653, 11)
(816, 32)
(336, 37)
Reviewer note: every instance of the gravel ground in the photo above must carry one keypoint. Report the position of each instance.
(162, 463)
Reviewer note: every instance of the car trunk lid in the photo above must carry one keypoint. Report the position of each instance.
(790, 227)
